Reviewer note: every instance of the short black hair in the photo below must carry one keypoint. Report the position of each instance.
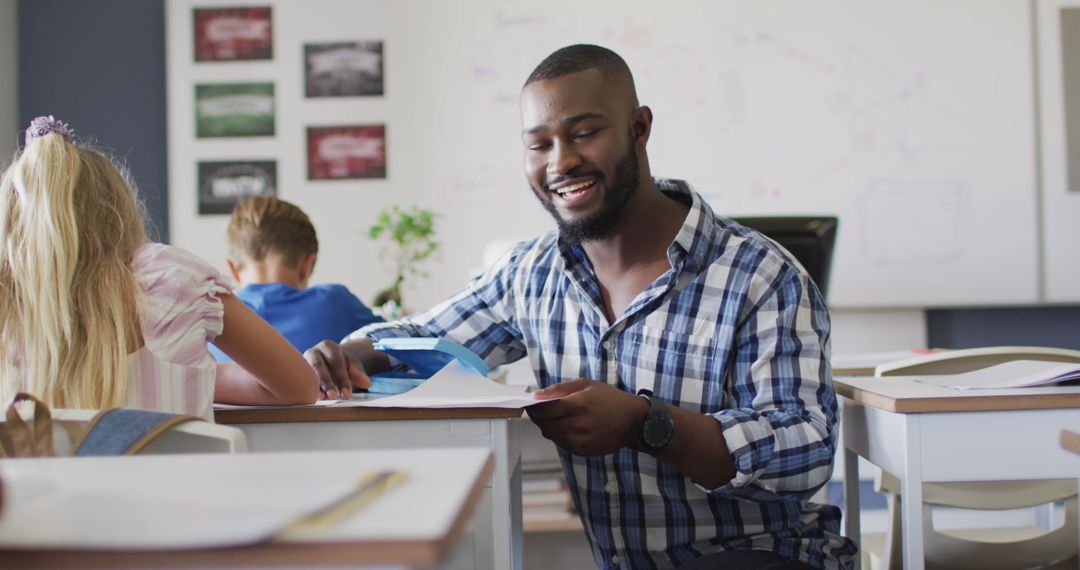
(580, 57)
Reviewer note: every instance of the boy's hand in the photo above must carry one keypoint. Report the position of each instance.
(338, 371)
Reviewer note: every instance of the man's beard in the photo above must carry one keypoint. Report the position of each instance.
(616, 196)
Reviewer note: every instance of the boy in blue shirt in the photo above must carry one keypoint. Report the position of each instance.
(272, 252)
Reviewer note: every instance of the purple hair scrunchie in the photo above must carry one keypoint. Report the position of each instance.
(46, 124)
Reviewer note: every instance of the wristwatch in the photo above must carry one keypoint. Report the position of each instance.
(658, 425)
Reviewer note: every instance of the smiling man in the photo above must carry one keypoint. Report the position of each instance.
(684, 357)
(587, 203)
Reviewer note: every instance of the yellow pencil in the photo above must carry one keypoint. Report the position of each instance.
(367, 489)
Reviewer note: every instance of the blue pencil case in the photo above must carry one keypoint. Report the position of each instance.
(425, 356)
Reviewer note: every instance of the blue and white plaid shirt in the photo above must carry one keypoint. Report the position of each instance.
(735, 330)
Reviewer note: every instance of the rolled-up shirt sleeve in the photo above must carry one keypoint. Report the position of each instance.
(779, 425)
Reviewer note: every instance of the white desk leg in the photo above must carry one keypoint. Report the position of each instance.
(911, 496)
(851, 501)
(506, 497)
(517, 528)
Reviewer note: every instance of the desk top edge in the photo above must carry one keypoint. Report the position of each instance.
(904, 395)
(256, 415)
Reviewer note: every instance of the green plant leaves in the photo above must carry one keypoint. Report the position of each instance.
(411, 240)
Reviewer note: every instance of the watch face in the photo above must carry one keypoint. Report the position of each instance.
(658, 427)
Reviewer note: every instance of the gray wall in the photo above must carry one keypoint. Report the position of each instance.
(9, 106)
(1035, 326)
(100, 66)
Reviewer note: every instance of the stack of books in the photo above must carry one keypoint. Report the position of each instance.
(545, 499)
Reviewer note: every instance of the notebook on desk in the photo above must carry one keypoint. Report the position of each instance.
(456, 386)
(425, 357)
(1012, 374)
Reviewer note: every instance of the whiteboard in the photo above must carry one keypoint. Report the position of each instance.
(913, 121)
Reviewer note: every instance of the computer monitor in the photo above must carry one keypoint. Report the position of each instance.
(809, 238)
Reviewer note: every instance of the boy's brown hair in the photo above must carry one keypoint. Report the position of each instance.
(263, 226)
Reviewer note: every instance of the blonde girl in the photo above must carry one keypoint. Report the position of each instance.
(94, 315)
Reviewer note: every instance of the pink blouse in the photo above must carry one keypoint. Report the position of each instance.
(179, 312)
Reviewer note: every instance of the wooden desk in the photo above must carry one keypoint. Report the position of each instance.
(498, 528)
(415, 524)
(925, 433)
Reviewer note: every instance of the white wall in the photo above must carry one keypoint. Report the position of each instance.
(911, 121)
(9, 94)
(865, 331)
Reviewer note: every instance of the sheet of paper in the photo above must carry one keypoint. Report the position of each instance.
(456, 387)
(519, 373)
(1013, 374)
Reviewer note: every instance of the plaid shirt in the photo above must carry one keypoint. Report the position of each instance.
(735, 330)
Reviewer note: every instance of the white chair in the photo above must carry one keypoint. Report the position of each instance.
(189, 437)
(968, 359)
(984, 549)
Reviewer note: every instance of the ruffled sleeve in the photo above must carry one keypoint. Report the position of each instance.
(180, 309)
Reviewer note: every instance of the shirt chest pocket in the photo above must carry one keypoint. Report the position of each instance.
(682, 368)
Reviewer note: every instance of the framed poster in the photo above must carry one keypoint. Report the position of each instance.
(343, 69)
(230, 34)
(234, 110)
(224, 183)
(356, 151)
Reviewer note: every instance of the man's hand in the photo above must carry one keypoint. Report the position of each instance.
(338, 371)
(591, 418)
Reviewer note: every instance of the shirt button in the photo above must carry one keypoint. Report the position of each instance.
(611, 487)
(608, 344)
(615, 560)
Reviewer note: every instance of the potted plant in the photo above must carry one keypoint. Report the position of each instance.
(409, 239)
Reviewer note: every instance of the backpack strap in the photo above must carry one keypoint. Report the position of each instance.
(126, 431)
(17, 439)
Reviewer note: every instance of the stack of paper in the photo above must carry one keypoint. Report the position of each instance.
(544, 496)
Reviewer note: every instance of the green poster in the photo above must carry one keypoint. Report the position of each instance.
(234, 110)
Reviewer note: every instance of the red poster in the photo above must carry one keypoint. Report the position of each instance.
(357, 151)
(227, 34)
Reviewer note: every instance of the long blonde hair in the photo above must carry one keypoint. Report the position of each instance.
(69, 229)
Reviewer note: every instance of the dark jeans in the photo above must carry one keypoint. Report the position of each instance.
(744, 560)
